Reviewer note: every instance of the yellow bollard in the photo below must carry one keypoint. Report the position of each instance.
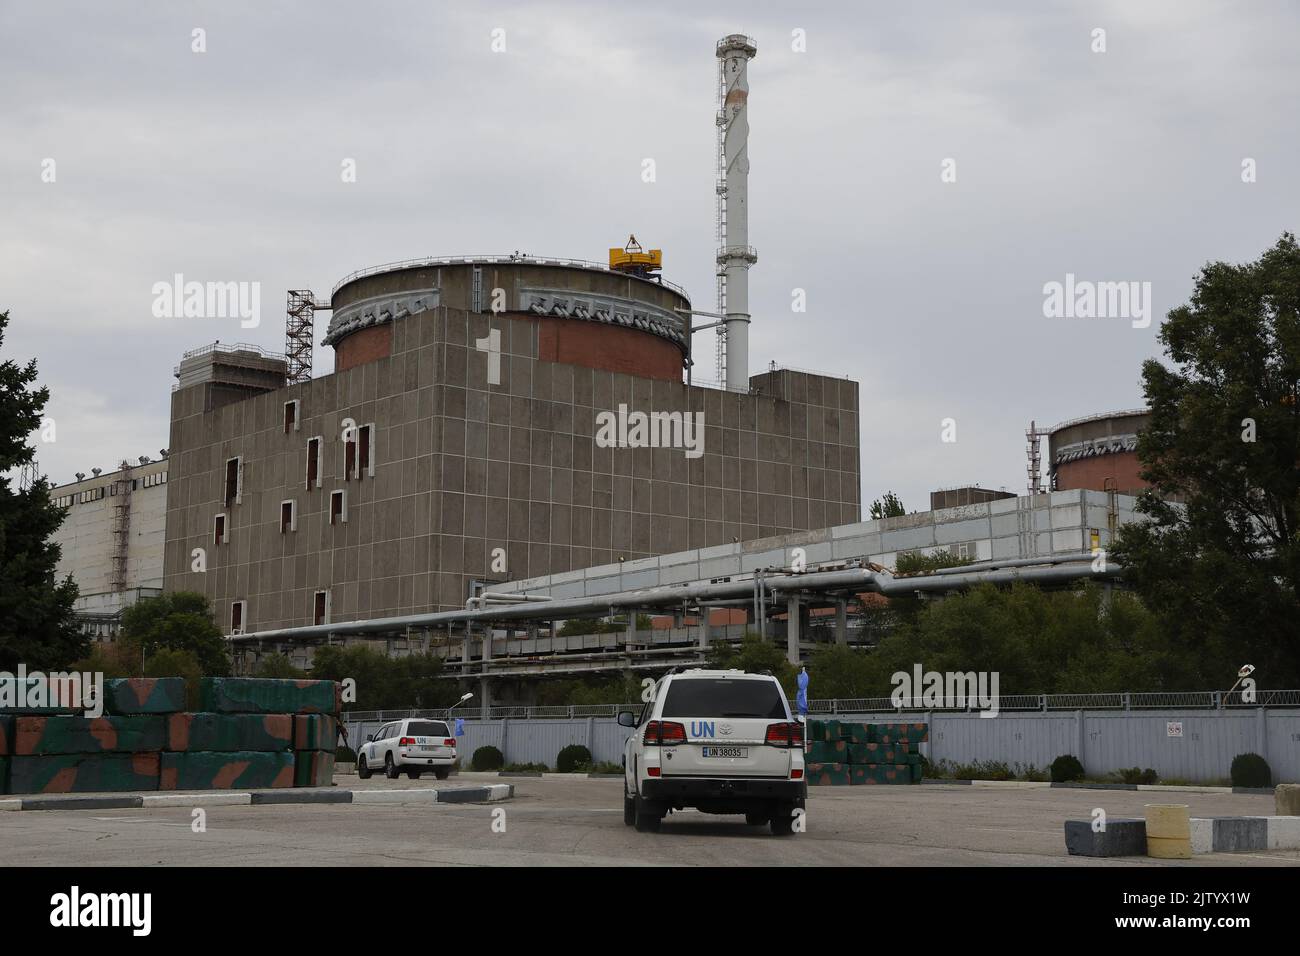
(1169, 831)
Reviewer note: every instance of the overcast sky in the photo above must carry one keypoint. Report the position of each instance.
(1123, 165)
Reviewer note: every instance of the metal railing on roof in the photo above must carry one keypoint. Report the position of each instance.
(498, 260)
(1014, 703)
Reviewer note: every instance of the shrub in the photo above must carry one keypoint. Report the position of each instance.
(527, 767)
(1029, 772)
(574, 758)
(1251, 770)
(607, 766)
(1137, 775)
(487, 758)
(1066, 768)
(345, 755)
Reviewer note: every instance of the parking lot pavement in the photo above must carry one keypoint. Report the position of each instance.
(579, 822)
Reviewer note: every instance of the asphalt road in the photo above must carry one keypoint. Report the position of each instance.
(579, 822)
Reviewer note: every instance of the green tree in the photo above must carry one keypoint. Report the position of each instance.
(754, 655)
(37, 627)
(278, 666)
(1221, 569)
(179, 621)
(888, 507)
(416, 682)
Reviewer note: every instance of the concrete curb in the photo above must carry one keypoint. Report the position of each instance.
(947, 783)
(202, 798)
(1208, 835)
(118, 802)
(1012, 784)
(303, 795)
(1244, 834)
(492, 793)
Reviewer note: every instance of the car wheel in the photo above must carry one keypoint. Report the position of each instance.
(442, 773)
(757, 818)
(647, 818)
(629, 809)
(362, 770)
(783, 820)
(390, 768)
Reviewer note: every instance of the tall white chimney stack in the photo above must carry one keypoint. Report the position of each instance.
(736, 255)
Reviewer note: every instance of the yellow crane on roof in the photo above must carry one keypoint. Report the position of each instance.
(635, 260)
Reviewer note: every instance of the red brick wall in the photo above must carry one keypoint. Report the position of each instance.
(365, 345)
(1091, 473)
(610, 347)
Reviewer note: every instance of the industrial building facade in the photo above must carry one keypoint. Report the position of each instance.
(457, 443)
(111, 541)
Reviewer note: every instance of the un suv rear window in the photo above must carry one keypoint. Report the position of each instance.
(705, 697)
(426, 728)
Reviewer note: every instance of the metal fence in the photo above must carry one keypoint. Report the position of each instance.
(1183, 736)
(1180, 700)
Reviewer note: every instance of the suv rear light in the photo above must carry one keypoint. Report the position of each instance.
(785, 735)
(406, 742)
(449, 742)
(664, 733)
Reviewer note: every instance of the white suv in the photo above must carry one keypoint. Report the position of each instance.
(718, 741)
(414, 745)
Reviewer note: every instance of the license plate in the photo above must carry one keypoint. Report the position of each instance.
(726, 752)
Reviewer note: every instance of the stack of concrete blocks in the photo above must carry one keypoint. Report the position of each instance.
(843, 752)
(250, 734)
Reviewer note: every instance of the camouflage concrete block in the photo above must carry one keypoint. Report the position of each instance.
(876, 753)
(4, 774)
(83, 773)
(915, 733)
(6, 734)
(250, 695)
(827, 751)
(855, 732)
(917, 769)
(313, 768)
(227, 733)
(144, 695)
(827, 774)
(315, 732)
(87, 735)
(226, 771)
(872, 773)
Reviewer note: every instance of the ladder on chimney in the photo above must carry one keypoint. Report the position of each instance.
(121, 529)
(721, 187)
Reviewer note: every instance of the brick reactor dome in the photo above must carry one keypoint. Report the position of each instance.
(580, 313)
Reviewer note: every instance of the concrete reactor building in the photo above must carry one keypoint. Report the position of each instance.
(454, 443)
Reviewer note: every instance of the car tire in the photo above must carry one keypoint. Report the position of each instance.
(442, 773)
(757, 818)
(363, 771)
(390, 768)
(629, 809)
(646, 817)
(414, 774)
(783, 820)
